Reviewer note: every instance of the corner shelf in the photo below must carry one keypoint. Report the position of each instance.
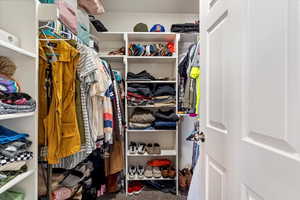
(150, 179)
(12, 51)
(165, 153)
(15, 181)
(16, 115)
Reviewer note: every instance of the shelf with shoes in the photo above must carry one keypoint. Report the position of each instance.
(151, 91)
(163, 153)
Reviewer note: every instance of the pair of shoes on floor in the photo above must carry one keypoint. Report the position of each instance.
(185, 178)
(135, 188)
(168, 172)
(134, 171)
(152, 172)
(153, 148)
(135, 148)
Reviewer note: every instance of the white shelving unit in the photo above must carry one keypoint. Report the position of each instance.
(158, 66)
(19, 17)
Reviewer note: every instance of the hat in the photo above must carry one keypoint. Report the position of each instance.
(158, 28)
(140, 27)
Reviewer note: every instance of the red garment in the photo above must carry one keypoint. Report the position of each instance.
(159, 162)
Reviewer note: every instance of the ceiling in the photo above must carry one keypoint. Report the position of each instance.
(152, 6)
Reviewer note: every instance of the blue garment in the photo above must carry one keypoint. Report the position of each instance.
(164, 124)
(7, 135)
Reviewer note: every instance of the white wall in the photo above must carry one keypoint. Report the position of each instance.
(124, 22)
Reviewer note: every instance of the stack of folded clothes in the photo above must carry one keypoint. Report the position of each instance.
(146, 120)
(16, 102)
(13, 154)
(147, 94)
(11, 99)
(165, 120)
(161, 49)
(141, 119)
(143, 76)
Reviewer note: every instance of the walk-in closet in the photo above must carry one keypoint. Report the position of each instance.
(97, 101)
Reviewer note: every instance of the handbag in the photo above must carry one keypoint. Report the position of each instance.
(93, 7)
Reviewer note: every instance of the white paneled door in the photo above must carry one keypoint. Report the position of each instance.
(250, 109)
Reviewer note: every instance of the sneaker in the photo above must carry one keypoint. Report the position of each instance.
(165, 172)
(148, 172)
(156, 148)
(132, 148)
(138, 188)
(172, 172)
(149, 148)
(130, 189)
(156, 172)
(140, 171)
(141, 148)
(132, 172)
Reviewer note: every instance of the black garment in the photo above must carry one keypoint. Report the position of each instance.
(164, 90)
(185, 28)
(97, 24)
(169, 115)
(143, 91)
(143, 75)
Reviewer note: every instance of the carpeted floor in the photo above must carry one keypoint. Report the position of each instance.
(145, 195)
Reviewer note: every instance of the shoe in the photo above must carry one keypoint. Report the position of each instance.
(148, 172)
(159, 162)
(156, 148)
(132, 172)
(149, 148)
(165, 172)
(182, 181)
(138, 188)
(132, 148)
(140, 171)
(172, 172)
(156, 172)
(141, 148)
(130, 189)
(188, 176)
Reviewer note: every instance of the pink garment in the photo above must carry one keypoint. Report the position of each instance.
(62, 193)
(93, 7)
(67, 15)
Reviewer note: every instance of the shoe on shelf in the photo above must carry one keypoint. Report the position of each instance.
(149, 148)
(156, 172)
(165, 172)
(141, 148)
(148, 172)
(132, 148)
(140, 171)
(172, 172)
(132, 171)
(130, 189)
(138, 188)
(156, 148)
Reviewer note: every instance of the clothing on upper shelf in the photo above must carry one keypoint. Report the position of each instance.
(189, 81)
(161, 49)
(12, 100)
